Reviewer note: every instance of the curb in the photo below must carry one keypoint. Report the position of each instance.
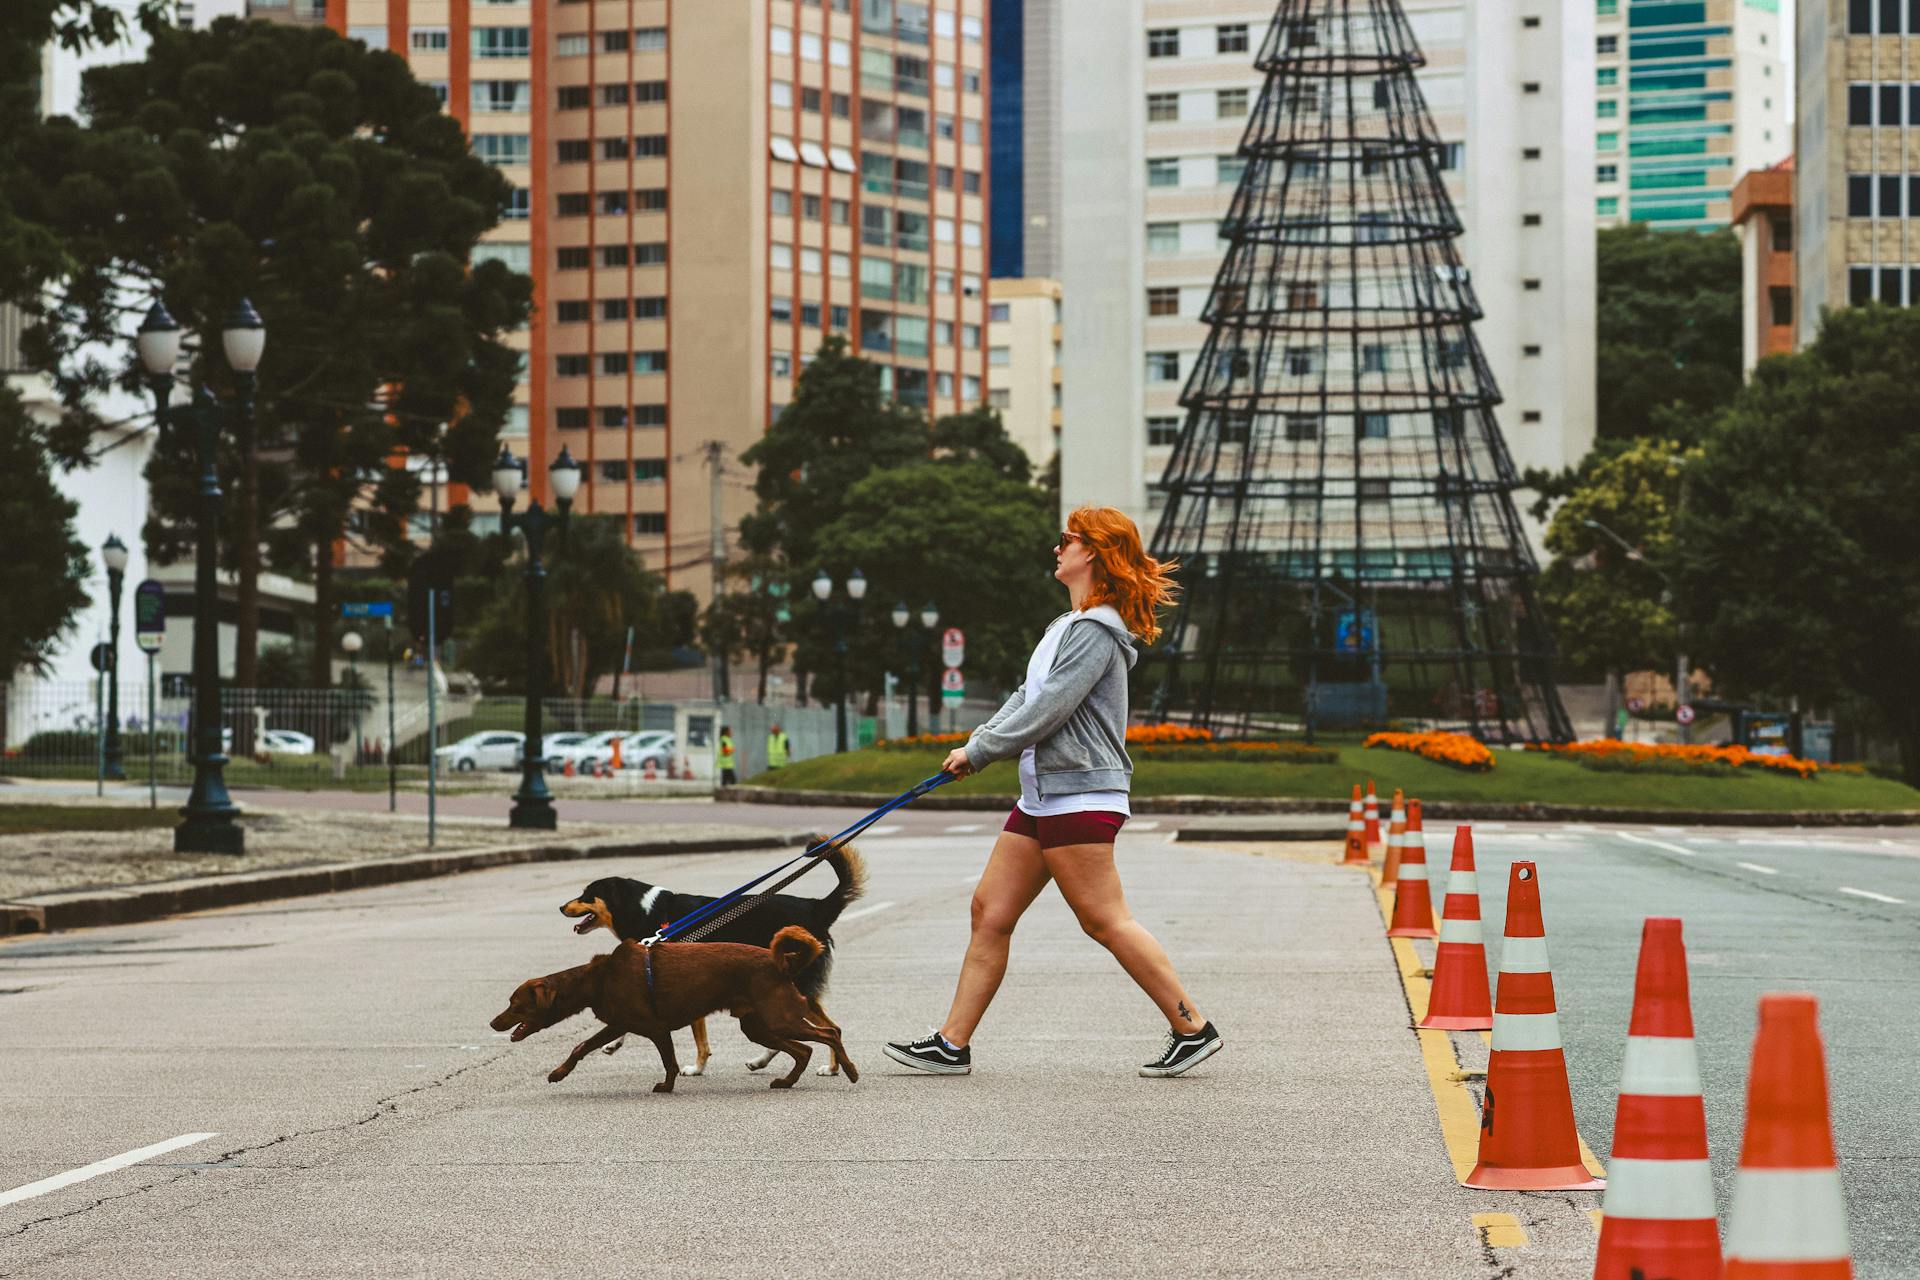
(87, 908)
(1525, 811)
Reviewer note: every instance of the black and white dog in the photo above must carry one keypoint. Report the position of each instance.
(634, 910)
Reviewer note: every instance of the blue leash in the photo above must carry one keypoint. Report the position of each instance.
(707, 918)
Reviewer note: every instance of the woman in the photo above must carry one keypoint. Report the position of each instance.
(1067, 725)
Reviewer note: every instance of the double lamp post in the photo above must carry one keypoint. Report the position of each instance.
(840, 617)
(208, 822)
(929, 619)
(533, 802)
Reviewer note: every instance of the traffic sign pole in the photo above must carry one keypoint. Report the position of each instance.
(393, 758)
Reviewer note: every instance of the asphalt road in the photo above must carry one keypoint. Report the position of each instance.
(365, 1119)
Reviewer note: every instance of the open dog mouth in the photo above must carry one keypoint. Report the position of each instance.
(588, 914)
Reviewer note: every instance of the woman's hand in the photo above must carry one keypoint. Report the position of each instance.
(957, 763)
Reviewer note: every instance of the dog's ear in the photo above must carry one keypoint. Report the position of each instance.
(543, 995)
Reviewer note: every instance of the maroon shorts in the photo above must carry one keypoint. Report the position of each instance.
(1095, 826)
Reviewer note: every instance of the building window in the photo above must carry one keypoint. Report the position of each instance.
(574, 204)
(1373, 358)
(780, 310)
(1606, 173)
(1162, 432)
(1530, 350)
(1374, 426)
(648, 523)
(970, 337)
(1529, 415)
(574, 97)
(502, 95)
(502, 148)
(574, 257)
(1780, 300)
(374, 37)
(651, 254)
(1163, 171)
(1163, 366)
(1782, 234)
(650, 91)
(574, 150)
(1230, 38)
(1228, 170)
(1300, 361)
(649, 362)
(1163, 237)
(1163, 42)
(519, 206)
(1530, 284)
(1529, 219)
(574, 46)
(1453, 156)
(572, 419)
(1162, 107)
(1607, 46)
(1607, 206)
(613, 255)
(1302, 427)
(571, 366)
(1163, 300)
(1230, 104)
(1607, 76)
(1607, 108)
(781, 364)
(649, 415)
(428, 40)
(501, 42)
(650, 144)
(1601, 142)
(780, 202)
(1860, 17)
(1859, 195)
(1000, 357)
(650, 40)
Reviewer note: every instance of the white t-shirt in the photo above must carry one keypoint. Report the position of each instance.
(1037, 668)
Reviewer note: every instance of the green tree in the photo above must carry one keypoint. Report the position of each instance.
(1667, 318)
(979, 435)
(42, 576)
(596, 589)
(1798, 526)
(976, 544)
(1606, 603)
(319, 179)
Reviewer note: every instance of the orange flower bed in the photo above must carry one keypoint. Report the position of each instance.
(1456, 749)
(1158, 733)
(1686, 753)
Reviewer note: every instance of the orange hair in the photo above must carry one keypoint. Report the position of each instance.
(1124, 575)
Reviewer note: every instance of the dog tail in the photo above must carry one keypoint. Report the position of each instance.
(852, 870)
(794, 949)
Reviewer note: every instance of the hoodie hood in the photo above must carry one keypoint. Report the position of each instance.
(1109, 617)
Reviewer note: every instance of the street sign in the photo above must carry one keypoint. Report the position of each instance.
(149, 615)
(102, 656)
(1636, 704)
(432, 572)
(953, 646)
(1353, 632)
(953, 685)
(367, 609)
(1684, 714)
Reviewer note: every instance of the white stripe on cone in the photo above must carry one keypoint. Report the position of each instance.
(1661, 1067)
(1412, 870)
(1525, 1032)
(1664, 1190)
(1464, 883)
(1413, 840)
(1460, 931)
(1787, 1215)
(1524, 955)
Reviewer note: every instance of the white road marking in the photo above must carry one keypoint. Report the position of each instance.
(1701, 840)
(1868, 893)
(1144, 826)
(1576, 826)
(98, 1167)
(1489, 826)
(886, 830)
(1671, 831)
(961, 828)
(867, 911)
(1754, 866)
(1658, 844)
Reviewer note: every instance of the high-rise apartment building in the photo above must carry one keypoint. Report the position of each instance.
(1763, 221)
(703, 193)
(1690, 94)
(1856, 170)
(1027, 75)
(1149, 167)
(1023, 363)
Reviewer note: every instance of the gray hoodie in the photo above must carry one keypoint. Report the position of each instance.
(1077, 725)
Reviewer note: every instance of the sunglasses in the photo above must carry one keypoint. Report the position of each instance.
(1068, 537)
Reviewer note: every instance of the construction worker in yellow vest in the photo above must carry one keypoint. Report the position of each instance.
(727, 775)
(777, 747)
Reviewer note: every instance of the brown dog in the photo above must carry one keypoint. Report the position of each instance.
(690, 980)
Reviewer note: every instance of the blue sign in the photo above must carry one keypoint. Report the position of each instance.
(1353, 632)
(381, 609)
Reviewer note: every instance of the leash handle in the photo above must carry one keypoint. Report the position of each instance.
(696, 918)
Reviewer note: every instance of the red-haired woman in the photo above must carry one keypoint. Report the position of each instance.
(1067, 725)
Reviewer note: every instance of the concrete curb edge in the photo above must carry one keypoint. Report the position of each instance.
(1489, 811)
(86, 908)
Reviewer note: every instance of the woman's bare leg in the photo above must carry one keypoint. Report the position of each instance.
(1090, 883)
(1015, 875)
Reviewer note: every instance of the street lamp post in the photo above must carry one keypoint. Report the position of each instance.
(839, 617)
(929, 619)
(1670, 598)
(114, 553)
(350, 644)
(533, 803)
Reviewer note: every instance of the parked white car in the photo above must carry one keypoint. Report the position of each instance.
(552, 746)
(490, 749)
(653, 747)
(637, 747)
(287, 742)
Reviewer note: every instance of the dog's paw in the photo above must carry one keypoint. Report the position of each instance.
(826, 1071)
(614, 1048)
(665, 1086)
(693, 1069)
(781, 1083)
(556, 1075)
(759, 1063)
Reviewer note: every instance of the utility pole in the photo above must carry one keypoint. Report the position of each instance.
(712, 450)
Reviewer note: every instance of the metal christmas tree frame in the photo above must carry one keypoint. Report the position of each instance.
(1340, 497)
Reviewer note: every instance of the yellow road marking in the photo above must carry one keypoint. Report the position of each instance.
(1500, 1230)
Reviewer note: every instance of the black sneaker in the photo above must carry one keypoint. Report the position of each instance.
(1185, 1050)
(931, 1053)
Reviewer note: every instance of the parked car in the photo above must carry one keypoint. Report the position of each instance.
(553, 745)
(490, 749)
(653, 747)
(637, 747)
(288, 742)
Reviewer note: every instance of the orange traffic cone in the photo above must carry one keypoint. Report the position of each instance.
(568, 770)
(1396, 840)
(1789, 1220)
(1356, 833)
(1528, 1141)
(1412, 901)
(650, 775)
(1659, 1215)
(615, 763)
(686, 768)
(1459, 999)
(1372, 816)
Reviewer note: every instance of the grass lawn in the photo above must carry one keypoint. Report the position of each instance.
(1518, 776)
(28, 819)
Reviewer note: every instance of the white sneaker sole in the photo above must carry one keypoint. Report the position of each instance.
(1212, 1047)
(920, 1064)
